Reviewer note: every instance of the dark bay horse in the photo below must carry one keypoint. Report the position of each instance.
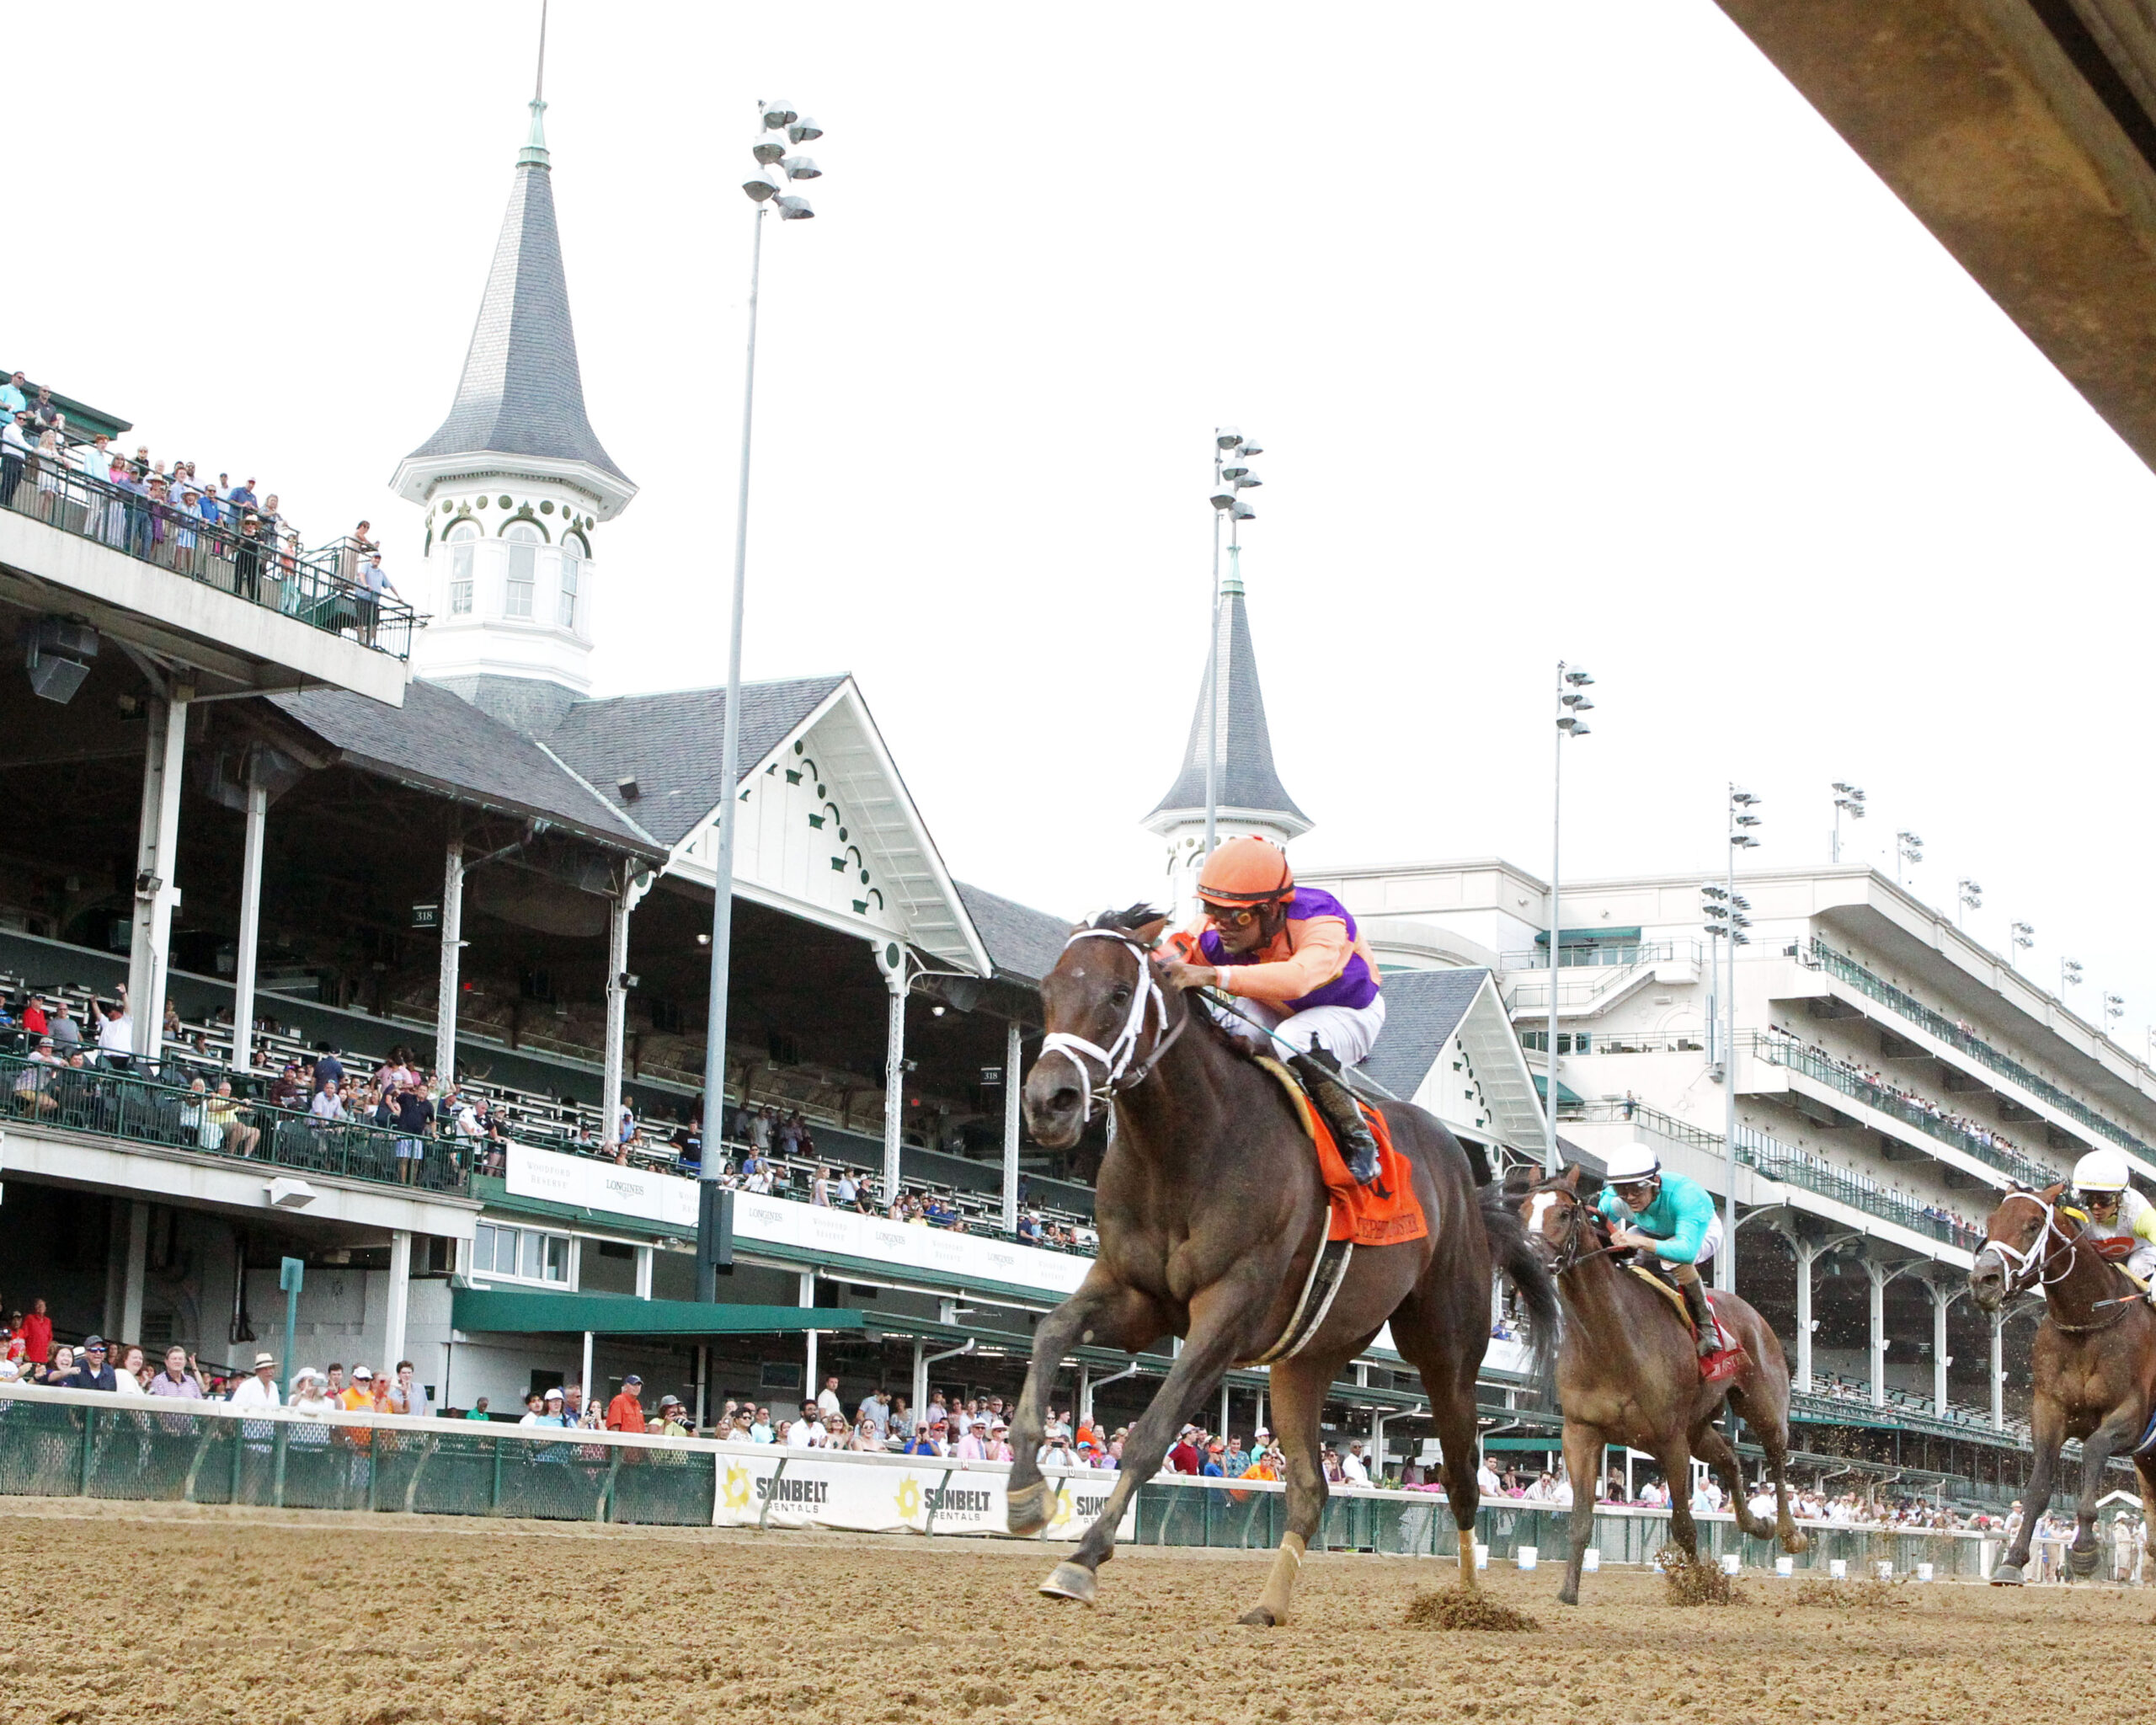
(1627, 1374)
(1212, 1216)
(2094, 1361)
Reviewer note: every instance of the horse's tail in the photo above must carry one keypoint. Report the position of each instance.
(1514, 1257)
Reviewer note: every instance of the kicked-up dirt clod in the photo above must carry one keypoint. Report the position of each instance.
(1456, 1608)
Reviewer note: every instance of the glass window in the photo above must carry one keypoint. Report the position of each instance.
(523, 566)
(528, 1266)
(460, 577)
(570, 570)
(557, 1257)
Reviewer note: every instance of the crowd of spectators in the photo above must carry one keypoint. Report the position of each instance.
(1984, 1136)
(158, 508)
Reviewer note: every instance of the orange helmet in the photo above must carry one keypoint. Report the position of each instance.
(1245, 870)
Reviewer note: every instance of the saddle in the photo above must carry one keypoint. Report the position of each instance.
(1725, 1361)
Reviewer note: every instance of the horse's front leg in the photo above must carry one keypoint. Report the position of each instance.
(1220, 1319)
(2046, 1432)
(2097, 1449)
(1103, 1311)
(1583, 1447)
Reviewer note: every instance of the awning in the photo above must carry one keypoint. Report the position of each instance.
(1591, 936)
(1566, 1093)
(520, 1311)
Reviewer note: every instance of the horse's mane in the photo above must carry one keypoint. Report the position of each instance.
(1132, 916)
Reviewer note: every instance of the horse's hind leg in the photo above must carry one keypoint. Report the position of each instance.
(2086, 1551)
(1770, 1422)
(1299, 1387)
(1712, 1447)
(1676, 1459)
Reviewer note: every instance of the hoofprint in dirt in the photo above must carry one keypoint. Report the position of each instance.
(122, 1617)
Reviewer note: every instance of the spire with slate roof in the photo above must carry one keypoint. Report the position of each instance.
(514, 480)
(1250, 796)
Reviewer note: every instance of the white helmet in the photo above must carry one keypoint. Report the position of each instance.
(1631, 1163)
(2100, 1171)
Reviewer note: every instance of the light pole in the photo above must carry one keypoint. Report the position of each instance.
(1907, 848)
(1848, 800)
(2020, 937)
(1231, 477)
(2069, 976)
(780, 128)
(2114, 1010)
(1741, 821)
(1572, 702)
(1968, 896)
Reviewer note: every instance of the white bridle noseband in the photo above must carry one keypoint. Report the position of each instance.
(2025, 1270)
(1116, 1073)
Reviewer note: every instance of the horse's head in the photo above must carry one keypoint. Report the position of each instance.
(2011, 1259)
(1554, 1212)
(1104, 1007)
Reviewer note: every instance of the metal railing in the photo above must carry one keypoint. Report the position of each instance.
(1987, 1150)
(108, 1104)
(1844, 969)
(1620, 1042)
(321, 588)
(1788, 1166)
(1585, 956)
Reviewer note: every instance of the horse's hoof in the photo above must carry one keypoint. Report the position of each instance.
(1070, 1581)
(1258, 1618)
(2006, 1575)
(1028, 1508)
(1796, 1542)
(1568, 1596)
(2081, 1563)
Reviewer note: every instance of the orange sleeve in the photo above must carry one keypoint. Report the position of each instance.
(1318, 950)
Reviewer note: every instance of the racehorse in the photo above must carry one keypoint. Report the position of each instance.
(1212, 1216)
(2094, 1360)
(1627, 1374)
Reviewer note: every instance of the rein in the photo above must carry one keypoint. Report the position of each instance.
(2032, 1267)
(1570, 1257)
(1118, 1075)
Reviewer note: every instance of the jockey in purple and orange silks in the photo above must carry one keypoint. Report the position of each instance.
(1293, 959)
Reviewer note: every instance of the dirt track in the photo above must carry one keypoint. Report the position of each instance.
(379, 1619)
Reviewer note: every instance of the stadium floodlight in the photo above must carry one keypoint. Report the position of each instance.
(1969, 895)
(767, 149)
(1907, 848)
(765, 190)
(2020, 937)
(1225, 498)
(802, 168)
(2070, 974)
(1241, 512)
(1231, 477)
(1848, 799)
(1227, 437)
(2114, 1007)
(1242, 481)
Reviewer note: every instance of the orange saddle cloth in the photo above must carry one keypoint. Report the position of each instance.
(1384, 1213)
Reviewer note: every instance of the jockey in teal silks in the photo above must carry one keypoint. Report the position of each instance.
(1671, 1217)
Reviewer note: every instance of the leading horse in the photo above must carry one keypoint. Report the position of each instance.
(1212, 1216)
(2094, 1361)
(1628, 1374)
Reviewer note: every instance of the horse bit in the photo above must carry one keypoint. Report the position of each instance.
(1118, 1075)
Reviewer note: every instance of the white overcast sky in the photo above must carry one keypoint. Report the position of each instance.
(1571, 330)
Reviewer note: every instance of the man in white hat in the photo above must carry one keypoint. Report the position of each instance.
(2121, 1222)
(259, 1391)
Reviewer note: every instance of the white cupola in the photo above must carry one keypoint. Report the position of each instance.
(516, 481)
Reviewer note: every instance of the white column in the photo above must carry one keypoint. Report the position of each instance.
(452, 952)
(894, 1084)
(1013, 1053)
(590, 1389)
(400, 1296)
(1221, 1429)
(250, 926)
(920, 1380)
(811, 1383)
(1878, 1273)
(1085, 1395)
(129, 1317)
(1999, 1370)
(617, 1002)
(644, 1261)
(1941, 1298)
(1806, 1253)
(156, 857)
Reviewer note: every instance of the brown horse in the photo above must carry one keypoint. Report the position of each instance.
(1212, 1218)
(1627, 1374)
(2094, 1360)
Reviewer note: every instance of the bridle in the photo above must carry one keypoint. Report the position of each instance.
(2031, 1268)
(1570, 1253)
(1118, 1073)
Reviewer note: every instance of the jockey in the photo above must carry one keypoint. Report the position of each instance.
(2120, 1221)
(1669, 1215)
(1295, 962)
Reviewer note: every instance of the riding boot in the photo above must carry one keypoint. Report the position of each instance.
(1321, 1075)
(1694, 1291)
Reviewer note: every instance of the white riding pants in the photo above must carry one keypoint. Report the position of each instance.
(1347, 1033)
